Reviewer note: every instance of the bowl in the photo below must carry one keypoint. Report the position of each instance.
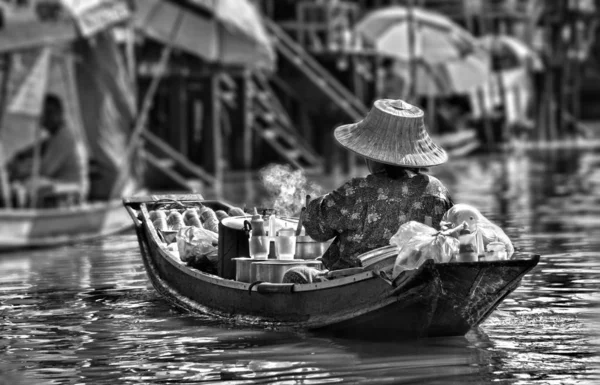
(242, 268)
(308, 248)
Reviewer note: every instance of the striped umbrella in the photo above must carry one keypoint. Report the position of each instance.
(447, 57)
(227, 32)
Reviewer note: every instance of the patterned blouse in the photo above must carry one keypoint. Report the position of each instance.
(364, 213)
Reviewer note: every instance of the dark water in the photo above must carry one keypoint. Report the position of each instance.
(87, 314)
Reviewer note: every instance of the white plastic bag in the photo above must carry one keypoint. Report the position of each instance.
(409, 230)
(194, 242)
(485, 231)
(421, 247)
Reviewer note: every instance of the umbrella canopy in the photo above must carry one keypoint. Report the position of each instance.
(509, 52)
(62, 22)
(445, 79)
(447, 57)
(438, 38)
(228, 32)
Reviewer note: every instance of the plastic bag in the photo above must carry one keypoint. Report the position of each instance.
(195, 243)
(485, 231)
(409, 230)
(441, 248)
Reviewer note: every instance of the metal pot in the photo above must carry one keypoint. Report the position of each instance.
(242, 269)
(308, 248)
(273, 271)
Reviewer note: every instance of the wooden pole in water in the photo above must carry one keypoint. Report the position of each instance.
(412, 61)
(4, 179)
(247, 116)
(142, 118)
(130, 51)
(216, 130)
(35, 172)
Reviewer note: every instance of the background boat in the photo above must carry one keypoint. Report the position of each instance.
(53, 227)
(73, 54)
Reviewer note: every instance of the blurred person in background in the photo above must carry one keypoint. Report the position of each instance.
(392, 84)
(63, 172)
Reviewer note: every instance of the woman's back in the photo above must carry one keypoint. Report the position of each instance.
(365, 212)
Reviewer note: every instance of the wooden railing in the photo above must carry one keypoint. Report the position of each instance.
(319, 76)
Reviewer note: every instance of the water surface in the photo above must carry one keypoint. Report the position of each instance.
(87, 314)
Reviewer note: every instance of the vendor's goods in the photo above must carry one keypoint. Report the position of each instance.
(308, 248)
(191, 218)
(468, 247)
(209, 219)
(221, 215)
(259, 246)
(257, 224)
(175, 220)
(155, 214)
(236, 212)
(160, 224)
(424, 243)
(197, 247)
(495, 251)
(285, 244)
(484, 231)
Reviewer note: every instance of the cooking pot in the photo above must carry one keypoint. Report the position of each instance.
(273, 270)
(308, 248)
(242, 268)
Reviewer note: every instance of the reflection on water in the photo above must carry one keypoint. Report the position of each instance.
(87, 314)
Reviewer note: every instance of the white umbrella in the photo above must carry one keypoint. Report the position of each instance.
(229, 32)
(451, 59)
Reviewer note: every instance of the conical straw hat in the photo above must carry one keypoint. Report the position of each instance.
(393, 132)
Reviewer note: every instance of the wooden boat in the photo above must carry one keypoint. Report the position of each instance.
(28, 228)
(435, 300)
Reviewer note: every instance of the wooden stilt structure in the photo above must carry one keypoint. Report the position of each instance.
(217, 139)
(412, 42)
(4, 177)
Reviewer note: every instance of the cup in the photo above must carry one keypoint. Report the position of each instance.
(259, 246)
(285, 246)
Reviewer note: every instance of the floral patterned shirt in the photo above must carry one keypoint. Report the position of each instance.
(364, 213)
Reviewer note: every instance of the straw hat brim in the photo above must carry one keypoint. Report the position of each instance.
(425, 153)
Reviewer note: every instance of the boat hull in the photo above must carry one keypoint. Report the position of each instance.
(34, 228)
(434, 300)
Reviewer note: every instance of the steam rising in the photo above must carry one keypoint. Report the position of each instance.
(288, 188)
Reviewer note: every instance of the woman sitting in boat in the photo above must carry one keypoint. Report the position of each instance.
(364, 213)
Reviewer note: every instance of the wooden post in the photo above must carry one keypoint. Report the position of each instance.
(432, 107)
(412, 62)
(183, 108)
(487, 124)
(4, 177)
(35, 173)
(247, 118)
(216, 131)
(130, 55)
(504, 101)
